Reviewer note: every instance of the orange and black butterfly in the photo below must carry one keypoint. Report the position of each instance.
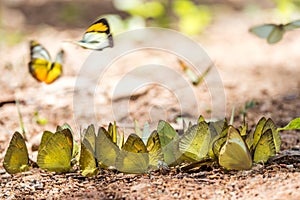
(41, 67)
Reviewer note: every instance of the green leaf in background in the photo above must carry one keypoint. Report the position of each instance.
(292, 125)
(192, 18)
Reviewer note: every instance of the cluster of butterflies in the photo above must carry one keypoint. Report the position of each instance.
(273, 33)
(213, 142)
(43, 69)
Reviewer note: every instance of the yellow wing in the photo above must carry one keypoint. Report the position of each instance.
(154, 149)
(133, 158)
(106, 150)
(56, 154)
(16, 157)
(265, 147)
(234, 154)
(195, 142)
(87, 161)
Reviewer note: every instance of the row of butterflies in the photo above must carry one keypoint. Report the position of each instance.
(209, 143)
(43, 69)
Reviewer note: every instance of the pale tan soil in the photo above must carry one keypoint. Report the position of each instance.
(250, 70)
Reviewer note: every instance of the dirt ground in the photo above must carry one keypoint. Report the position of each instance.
(250, 70)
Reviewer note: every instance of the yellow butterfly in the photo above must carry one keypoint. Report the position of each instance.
(136, 157)
(97, 36)
(56, 151)
(16, 158)
(87, 161)
(234, 154)
(265, 141)
(133, 158)
(169, 140)
(274, 32)
(265, 147)
(194, 144)
(41, 66)
(106, 150)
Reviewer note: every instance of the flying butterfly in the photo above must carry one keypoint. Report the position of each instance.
(234, 154)
(16, 158)
(97, 36)
(41, 67)
(194, 78)
(274, 32)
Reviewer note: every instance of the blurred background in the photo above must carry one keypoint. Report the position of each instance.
(251, 69)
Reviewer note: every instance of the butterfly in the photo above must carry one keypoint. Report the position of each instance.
(194, 78)
(97, 36)
(87, 161)
(16, 158)
(234, 154)
(194, 144)
(265, 141)
(274, 32)
(136, 157)
(169, 140)
(41, 66)
(56, 151)
(105, 149)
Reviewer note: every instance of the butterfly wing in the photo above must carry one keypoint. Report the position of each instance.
(265, 147)
(56, 154)
(16, 157)
(40, 61)
(276, 137)
(133, 158)
(276, 34)
(169, 140)
(55, 70)
(263, 31)
(106, 150)
(195, 142)
(90, 136)
(37, 51)
(154, 149)
(234, 154)
(97, 36)
(87, 161)
(292, 25)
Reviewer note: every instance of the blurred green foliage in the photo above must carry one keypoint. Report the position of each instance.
(184, 15)
(287, 8)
